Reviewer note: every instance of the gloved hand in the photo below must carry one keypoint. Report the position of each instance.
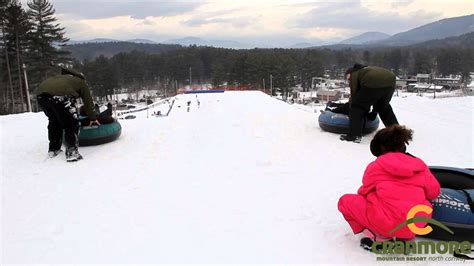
(372, 115)
(94, 122)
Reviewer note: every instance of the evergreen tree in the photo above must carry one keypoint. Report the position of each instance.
(45, 35)
(8, 92)
(394, 60)
(423, 63)
(456, 62)
(101, 77)
(218, 75)
(309, 66)
(17, 30)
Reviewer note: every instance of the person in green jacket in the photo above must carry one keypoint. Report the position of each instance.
(57, 97)
(370, 86)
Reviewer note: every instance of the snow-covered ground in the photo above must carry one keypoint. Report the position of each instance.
(244, 178)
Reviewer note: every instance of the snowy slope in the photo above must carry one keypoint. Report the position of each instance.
(244, 178)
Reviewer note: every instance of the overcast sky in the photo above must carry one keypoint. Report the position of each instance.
(256, 21)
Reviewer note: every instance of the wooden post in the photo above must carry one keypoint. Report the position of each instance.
(28, 100)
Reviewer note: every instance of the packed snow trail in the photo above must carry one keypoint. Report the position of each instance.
(244, 178)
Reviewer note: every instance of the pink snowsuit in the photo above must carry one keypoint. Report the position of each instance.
(392, 184)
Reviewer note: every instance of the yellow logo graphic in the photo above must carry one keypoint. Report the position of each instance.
(411, 220)
(411, 214)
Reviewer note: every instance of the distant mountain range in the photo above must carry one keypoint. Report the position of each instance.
(91, 50)
(446, 32)
(437, 30)
(445, 28)
(301, 45)
(103, 40)
(464, 41)
(364, 38)
(187, 41)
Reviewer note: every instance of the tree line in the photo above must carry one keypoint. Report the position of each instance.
(256, 68)
(29, 44)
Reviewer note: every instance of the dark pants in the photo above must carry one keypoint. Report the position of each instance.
(62, 114)
(379, 98)
(338, 108)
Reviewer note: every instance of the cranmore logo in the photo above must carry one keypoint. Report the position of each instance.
(411, 220)
(421, 247)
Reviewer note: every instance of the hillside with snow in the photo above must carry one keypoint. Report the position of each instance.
(241, 178)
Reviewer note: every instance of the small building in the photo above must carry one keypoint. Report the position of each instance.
(305, 97)
(423, 78)
(425, 87)
(449, 83)
(329, 95)
(402, 83)
(317, 82)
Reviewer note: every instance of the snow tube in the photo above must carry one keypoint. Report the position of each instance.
(339, 123)
(455, 178)
(454, 207)
(95, 135)
(204, 91)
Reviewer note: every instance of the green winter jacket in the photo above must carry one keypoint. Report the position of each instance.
(371, 77)
(69, 85)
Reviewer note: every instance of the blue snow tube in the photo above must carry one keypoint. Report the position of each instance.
(454, 207)
(95, 135)
(339, 123)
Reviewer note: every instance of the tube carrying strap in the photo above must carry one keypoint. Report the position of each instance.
(463, 256)
(469, 200)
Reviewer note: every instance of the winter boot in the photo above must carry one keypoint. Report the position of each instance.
(366, 243)
(54, 153)
(72, 154)
(352, 138)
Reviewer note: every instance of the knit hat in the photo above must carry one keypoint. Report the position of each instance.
(69, 71)
(356, 67)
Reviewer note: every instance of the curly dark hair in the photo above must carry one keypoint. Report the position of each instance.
(391, 139)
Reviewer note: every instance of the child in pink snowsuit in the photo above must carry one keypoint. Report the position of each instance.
(392, 184)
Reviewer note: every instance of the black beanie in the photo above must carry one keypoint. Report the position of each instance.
(356, 67)
(68, 71)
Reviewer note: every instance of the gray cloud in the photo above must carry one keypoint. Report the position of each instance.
(398, 3)
(353, 16)
(216, 17)
(136, 9)
(236, 22)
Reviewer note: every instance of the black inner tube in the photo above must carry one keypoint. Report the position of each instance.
(455, 178)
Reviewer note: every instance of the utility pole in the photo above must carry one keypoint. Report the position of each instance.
(28, 100)
(7, 61)
(263, 85)
(271, 85)
(190, 78)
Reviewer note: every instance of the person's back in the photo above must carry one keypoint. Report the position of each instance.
(376, 77)
(371, 87)
(392, 185)
(57, 97)
(69, 86)
(62, 85)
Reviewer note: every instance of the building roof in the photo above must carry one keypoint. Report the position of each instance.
(448, 79)
(427, 87)
(307, 94)
(328, 93)
(423, 76)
